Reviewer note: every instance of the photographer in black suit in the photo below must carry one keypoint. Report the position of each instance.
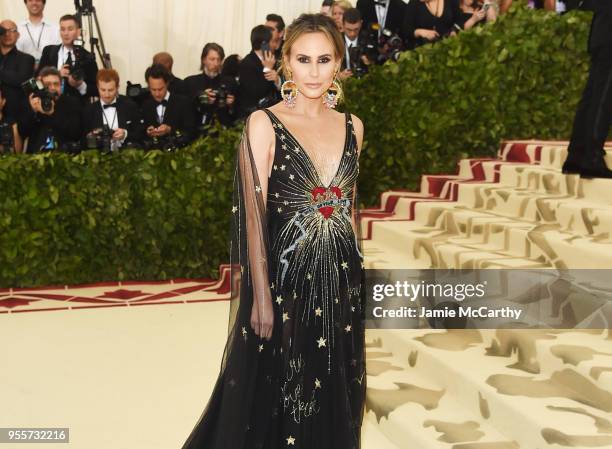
(259, 79)
(214, 94)
(594, 113)
(355, 61)
(54, 120)
(169, 119)
(389, 14)
(113, 122)
(77, 66)
(15, 68)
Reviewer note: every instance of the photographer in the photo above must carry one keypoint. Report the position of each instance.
(169, 119)
(54, 121)
(429, 21)
(77, 66)
(36, 32)
(388, 14)
(214, 94)
(355, 60)
(113, 122)
(15, 68)
(10, 141)
(259, 79)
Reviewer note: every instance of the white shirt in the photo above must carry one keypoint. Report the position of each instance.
(62, 57)
(381, 14)
(161, 109)
(34, 37)
(349, 43)
(110, 117)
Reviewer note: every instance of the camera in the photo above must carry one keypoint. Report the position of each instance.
(100, 139)
(77, 69)
(35, 87)
(171, 142)
(137, 93)
(7, 142)
(220, 101)
(265, 46)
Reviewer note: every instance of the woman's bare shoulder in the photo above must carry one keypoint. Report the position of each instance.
(261, 132)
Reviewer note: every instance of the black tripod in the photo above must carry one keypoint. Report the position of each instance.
(85, 8)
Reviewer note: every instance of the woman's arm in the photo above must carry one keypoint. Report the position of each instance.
(255, 173)
(17, 139)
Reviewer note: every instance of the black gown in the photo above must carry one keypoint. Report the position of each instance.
(304, 388)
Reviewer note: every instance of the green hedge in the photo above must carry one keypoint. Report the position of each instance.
(521, 77)
(135, 215)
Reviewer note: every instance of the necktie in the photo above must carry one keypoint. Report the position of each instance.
(69, 59)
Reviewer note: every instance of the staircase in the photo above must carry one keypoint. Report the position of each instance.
(493, 389)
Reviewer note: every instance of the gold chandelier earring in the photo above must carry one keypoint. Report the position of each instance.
(289, 92)
(331, 97)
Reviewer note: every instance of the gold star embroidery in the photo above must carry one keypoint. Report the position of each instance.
(288, 156)
(318, 311)
(234, 209)
(276, 195)
(294, 294)
(308, 276)
(257, 189)
(280, 209)
(282, 137)
(283, 167)
(272, 285)
(260, 348)
(279, 299)
(353, 308)
(344, 265)
(241, 269)
(347, 328)
(290, 441)
(275, 167)
(321, 342)
(285, 316)
(317, 383)
(286, 203)
(284, 146)
(291, 177)
(244, 331)
(336, 300)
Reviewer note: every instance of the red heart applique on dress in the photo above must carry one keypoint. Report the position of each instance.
(321, 194)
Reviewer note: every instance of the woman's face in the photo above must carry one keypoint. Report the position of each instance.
(313, 64)
(338, 14)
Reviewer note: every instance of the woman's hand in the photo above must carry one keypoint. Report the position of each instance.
(430, 35)
(262, 321)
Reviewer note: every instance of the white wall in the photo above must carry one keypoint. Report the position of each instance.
(134, 30)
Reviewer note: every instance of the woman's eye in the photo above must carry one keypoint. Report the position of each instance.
(324, 60)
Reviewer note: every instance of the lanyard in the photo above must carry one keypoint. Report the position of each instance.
(42, 30)
(105, 119)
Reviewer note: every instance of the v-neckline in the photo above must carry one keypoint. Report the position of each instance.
(314, 168)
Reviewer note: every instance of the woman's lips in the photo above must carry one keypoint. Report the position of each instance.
(313, 86)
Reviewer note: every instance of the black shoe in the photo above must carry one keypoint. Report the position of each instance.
(571, 168)
(598, 172)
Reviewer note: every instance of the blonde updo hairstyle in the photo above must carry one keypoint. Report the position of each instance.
(313, 23)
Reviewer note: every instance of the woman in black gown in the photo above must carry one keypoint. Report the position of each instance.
(428, 21)
(293, 369)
